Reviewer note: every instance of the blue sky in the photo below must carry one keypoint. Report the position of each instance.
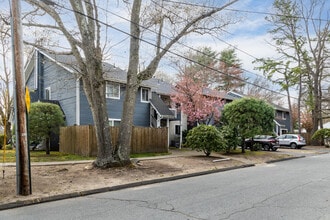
(249, 35)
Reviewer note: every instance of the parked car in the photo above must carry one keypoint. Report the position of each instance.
(291, 140)
(266, 142)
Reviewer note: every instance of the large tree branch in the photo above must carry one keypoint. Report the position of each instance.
(151, 68)
(75, 44)
(42, 26)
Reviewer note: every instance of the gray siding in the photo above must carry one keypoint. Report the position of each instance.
(115, 109)
(115, 106)
(62, 85)
(85, 112)
(60, 82)
(286, 122)
(142, 112)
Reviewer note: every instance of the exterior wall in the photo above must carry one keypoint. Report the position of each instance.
(115, 109)
(173, 137)
(142, 112)
(182, 122)
(85, 112)
(62, 85)
(60, 82)
(284, 119)
(115, 106)
(43, 73)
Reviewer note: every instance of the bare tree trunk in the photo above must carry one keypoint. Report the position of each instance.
(94, 87)
(134, 77)
(100, 116)
(124, 140)
(47, 145)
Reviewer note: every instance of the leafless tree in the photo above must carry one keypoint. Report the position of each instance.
(173, 20)
(6, 100)
(301, 32)
(167, 23)
(256, 89)
(83, 37)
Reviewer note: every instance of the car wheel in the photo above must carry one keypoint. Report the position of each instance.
(266, 147)
(293, 145)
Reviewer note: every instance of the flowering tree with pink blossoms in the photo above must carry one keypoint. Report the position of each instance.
(200, 103)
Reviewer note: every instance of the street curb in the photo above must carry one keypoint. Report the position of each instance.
(284, 159)
(113, 188)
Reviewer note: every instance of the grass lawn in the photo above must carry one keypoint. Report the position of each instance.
(41, 156)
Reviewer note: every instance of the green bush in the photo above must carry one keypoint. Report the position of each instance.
(322, 134)
(205, 138)
(231, 139)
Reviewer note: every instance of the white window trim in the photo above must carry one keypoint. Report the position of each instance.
(283, 115)
(49, 91)
(106, 90)
(145, 101)
(112, 120)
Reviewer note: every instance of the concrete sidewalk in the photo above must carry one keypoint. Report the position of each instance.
(173, 153)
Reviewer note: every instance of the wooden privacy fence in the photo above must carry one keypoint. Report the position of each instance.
(81, 140)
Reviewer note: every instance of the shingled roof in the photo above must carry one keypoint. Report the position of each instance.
(160, 106)
(111, 73)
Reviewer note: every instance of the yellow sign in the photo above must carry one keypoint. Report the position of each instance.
(27, 99)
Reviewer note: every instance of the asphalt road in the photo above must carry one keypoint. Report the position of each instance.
(293, 189)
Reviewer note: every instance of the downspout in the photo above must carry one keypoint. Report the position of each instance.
(168, 133)
(40, 76)
(180, 145)
(78, 101)
(36, 66)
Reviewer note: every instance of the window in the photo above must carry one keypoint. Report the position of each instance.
(112, 90)
(47, 93)
(114, 122)
(280, 115)
(144, 95)
(177, 129)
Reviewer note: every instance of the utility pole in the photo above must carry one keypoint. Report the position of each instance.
(22, 151)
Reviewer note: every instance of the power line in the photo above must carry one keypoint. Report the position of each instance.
(189, 47)
(216, 38)
(169, 51)
(245, 11)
